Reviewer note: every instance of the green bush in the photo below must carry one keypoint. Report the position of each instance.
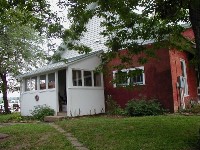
(195, 109)
(40, 111)
(137, 107)
(112, 108)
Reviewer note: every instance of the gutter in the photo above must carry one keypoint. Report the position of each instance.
(59, 65)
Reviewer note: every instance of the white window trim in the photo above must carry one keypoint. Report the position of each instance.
(92, 78)
(46, 80)
(47, 76)
(127, 70)
(38, 83)
(30, 80)
(185, 77)
(82, 79)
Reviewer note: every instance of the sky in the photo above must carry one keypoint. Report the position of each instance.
(65, 23)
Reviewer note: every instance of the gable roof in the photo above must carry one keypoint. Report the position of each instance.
(92, 38)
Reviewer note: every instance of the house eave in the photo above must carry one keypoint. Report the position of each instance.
(58, 65)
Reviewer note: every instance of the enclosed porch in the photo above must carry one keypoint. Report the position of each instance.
(72, 89)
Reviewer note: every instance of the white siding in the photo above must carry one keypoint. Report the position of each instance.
(48, 97)
(84, 100)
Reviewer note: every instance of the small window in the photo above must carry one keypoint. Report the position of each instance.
(87, 78)
(121, 78)
(76, 78)
(97, 79)
(51, 80)
(42, 82)
(136, 77)
(27, 84)
(132, 76)
(33, 84)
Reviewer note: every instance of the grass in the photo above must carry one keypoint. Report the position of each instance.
(33, 136)
(137, 133)
(13, 117)
(16, 117)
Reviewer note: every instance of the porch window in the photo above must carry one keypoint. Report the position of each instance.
(51, 80)
(42, 82)
(131, 76)
(97, 79)
(77, 77)
(33, 85)
(87, 78)
(27, 84)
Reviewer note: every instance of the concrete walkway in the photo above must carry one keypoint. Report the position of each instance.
(70, 137)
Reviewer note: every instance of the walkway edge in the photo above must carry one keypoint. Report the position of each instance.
(70, 138)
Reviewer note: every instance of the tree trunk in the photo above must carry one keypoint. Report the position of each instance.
(4, 91)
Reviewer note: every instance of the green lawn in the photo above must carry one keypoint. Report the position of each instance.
(14, 117)
(137, 133)
(33, 136)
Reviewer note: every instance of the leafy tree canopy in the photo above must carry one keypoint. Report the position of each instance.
(127, 21)
(22, 26)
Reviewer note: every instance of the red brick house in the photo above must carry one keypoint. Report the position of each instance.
(169, 78)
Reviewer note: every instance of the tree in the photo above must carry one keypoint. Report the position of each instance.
(19, 51)
(22, 23)
(127, 21)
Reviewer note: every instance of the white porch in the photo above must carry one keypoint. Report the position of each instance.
(74, 88)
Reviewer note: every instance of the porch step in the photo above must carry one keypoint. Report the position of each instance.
(63, 113)
(53, 118)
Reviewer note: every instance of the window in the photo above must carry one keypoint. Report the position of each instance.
(27, 84)
(51, 80)
(132, 76)
(184, 74)
(97, 79)
(31, 84)
(76, 77)
(121, 78)
(42, 82)
(136, 76)
(87, 78)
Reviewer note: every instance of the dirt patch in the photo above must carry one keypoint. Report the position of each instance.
(3, 136)
(20, 146)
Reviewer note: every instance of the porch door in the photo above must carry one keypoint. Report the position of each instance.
(184, 74)
(62, 90)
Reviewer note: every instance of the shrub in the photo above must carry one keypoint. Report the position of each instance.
(40, 111)
(137, 107)
(113, 108)
(195, 109)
